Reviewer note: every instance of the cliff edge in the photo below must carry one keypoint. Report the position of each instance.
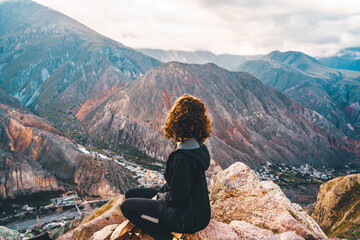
(243, 207)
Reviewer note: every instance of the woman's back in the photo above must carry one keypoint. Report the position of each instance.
(187, 198)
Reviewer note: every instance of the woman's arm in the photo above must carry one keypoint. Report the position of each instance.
(180, 184)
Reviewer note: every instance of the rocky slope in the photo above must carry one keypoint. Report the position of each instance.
(331, 92)
(36, 157)
(252, 122)
(338, 205)
(242, 206)
(51, 62)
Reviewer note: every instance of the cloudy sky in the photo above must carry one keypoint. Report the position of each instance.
(316, 27)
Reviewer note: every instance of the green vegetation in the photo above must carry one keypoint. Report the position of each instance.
(348, 201)
(351, 233)
(133, 154)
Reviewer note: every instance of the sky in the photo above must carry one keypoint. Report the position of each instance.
(245, 27)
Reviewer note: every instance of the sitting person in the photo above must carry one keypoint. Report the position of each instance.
(182, 204)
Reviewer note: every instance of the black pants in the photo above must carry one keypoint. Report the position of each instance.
(144, 212)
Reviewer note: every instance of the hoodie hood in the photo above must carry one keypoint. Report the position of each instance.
(200, 154)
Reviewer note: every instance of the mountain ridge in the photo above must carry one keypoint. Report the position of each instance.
(334, 94)
(53, 61)
(247, 116)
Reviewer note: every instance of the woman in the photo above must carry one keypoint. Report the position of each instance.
(183, 202)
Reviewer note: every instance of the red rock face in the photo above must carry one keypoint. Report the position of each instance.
(253, 122)
(34, 156)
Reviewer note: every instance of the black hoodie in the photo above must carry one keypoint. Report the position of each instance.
(187, 207)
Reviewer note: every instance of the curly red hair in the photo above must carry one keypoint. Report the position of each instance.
(188, 119)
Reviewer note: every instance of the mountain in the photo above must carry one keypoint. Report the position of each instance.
(252, 122)
(36, 157)
(337, 209)
(333, 93)
(347, 58)
(226, 61)
(51, 62)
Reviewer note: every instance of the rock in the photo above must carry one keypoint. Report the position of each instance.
(338, 204)
(237, 194)
(248, 231)
(8, 234)
(121, 230)
(215, 230)
(285, 236)
(102, 177)
(108, 214)
(105, 233)
(253, 209)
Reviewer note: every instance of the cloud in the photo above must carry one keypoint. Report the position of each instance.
(223, 26)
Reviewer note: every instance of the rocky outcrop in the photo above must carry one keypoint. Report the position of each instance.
(107, 215)
(9, 234)
(100, 177)
(34, 157)
(243, 207)
(237, 194)
(338, 205)
(253, 122)
(20, 175)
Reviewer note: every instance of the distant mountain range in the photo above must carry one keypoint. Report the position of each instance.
(333, 93)
(348, 58)
(226, 61)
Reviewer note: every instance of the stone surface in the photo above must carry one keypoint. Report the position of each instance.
(105, 233)
(215, 230)
(243, 207)
(8, 234)
(108, 214)
(285, 236)
(338, 204)
(248, 231)
(121, 230)
(237, 194)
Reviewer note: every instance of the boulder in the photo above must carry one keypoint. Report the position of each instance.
(247, 231)
(108, 214)
(338, 205)
(243, 207)
(215, 230)
(237, 194)
(8, 234)
(105, 233)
